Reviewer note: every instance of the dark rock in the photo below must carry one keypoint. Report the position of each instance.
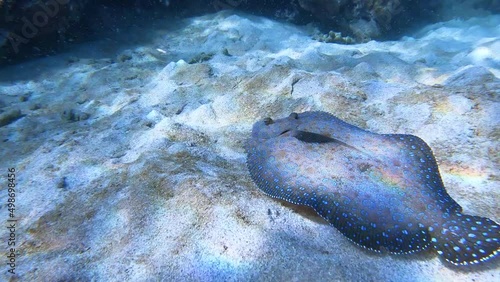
(9, 117)
(25, 97)
(124, 57)
(200, 58)
(35, 106)
(74, 115)
(62, 183)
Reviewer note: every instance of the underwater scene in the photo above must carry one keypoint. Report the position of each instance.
(250, 140)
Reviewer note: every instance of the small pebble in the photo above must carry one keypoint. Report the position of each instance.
(62, 183)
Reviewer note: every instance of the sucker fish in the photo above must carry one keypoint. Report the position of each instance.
(382, 191)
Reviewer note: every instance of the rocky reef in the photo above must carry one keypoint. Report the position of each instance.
(40, 27)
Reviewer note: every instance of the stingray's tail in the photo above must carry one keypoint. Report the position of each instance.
(466, 239)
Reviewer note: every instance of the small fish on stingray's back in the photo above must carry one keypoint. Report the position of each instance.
(382, 191)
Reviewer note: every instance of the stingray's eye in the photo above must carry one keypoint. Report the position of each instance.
(268, 121)
(294, 116)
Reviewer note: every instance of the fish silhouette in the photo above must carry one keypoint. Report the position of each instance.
(381, 191)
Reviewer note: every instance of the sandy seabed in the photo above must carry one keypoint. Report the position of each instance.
(129, 153)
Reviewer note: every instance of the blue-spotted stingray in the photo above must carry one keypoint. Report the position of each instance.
(381, 191)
